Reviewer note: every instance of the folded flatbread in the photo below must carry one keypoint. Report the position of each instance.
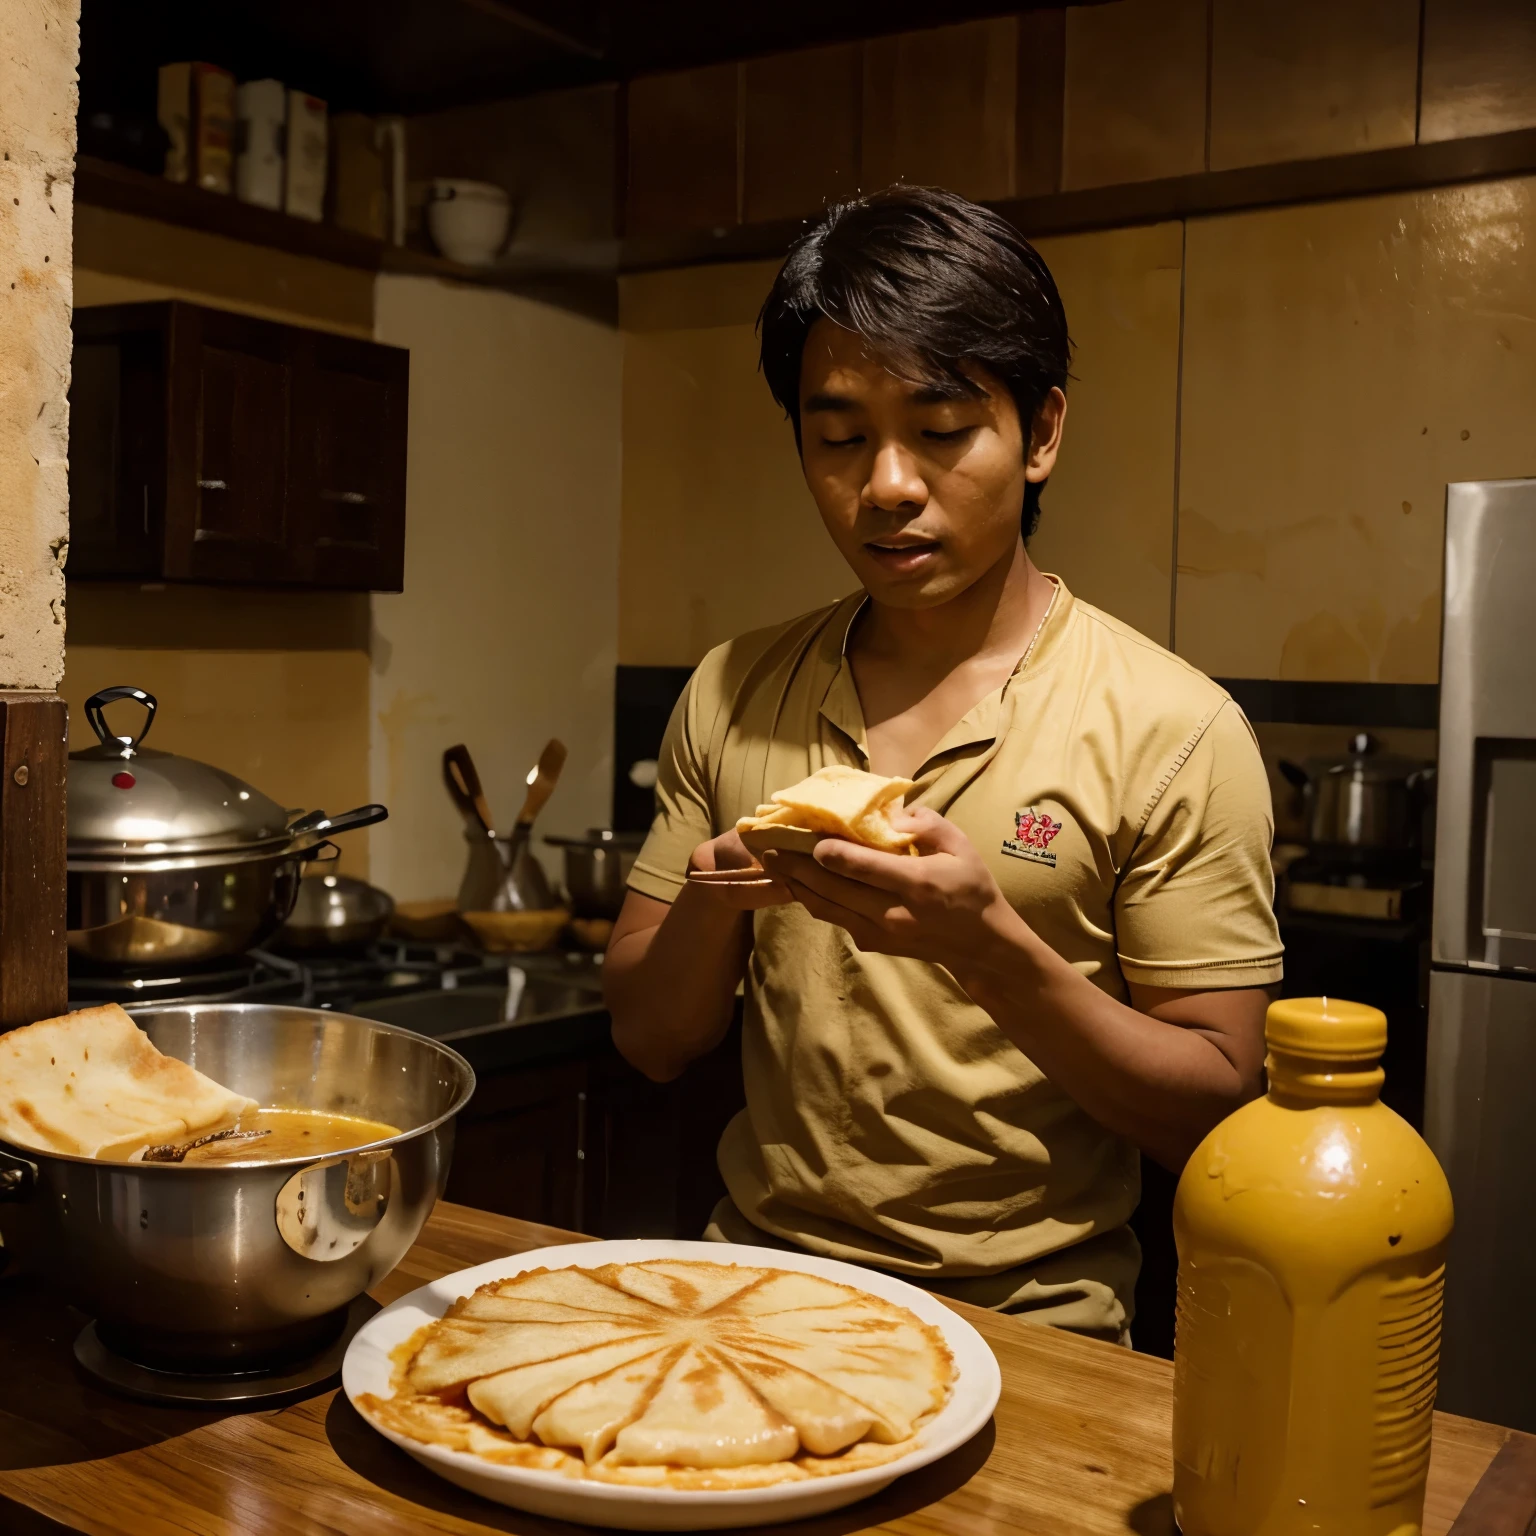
(93, 1084)
(839, 801)
(674, 1372)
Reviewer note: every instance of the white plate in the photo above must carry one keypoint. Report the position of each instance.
(976, 1390)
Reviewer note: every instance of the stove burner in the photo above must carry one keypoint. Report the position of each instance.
(343, 982)
(255, 977)
(245, 1389)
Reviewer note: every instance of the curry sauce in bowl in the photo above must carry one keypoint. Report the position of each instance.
(270, 1135)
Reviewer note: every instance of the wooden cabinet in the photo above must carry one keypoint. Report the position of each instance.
(211, 447)
(588, 1143)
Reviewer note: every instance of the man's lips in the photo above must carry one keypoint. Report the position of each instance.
(904, 555)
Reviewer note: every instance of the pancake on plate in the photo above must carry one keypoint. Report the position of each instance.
(836, 801)
(671, 1373)
(92, 1084)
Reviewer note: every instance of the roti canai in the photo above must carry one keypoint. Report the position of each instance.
(93, 1084)
(672, 1373)
(835, 801)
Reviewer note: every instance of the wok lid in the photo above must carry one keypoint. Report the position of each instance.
(126, 798)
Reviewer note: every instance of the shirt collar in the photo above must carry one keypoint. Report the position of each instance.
(841, 708)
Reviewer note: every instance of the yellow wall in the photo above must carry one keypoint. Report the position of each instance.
(1342, 362)
(719, 532)
(505, 633)
(271, 686)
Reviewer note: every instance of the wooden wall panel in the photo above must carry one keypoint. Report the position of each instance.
(719, 534)
(1107, 515)
(802, 131)
(1479, 68)
(1135, 91)
(1039, 95)
(1342, 362)
(939, 108)
(683, 151)
(33, 768)
(1300, 79)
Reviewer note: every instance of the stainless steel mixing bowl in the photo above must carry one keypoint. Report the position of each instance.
(219, 1267)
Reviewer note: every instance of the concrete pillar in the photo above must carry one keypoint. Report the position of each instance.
(39, 55)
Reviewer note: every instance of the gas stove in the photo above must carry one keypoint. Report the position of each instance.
(399, 981)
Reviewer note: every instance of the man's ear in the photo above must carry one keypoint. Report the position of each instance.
(1045, 436)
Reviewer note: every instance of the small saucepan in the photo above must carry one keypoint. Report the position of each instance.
(597, 869)
(1365, 803)
(335, 912)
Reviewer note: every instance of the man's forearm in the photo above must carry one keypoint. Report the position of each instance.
(671, 988)
(1162, 1085)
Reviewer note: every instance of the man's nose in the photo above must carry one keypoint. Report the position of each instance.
(894, 480)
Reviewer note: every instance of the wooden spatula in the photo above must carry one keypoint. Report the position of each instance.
(464, 788)
(542, 779)
(541, 782)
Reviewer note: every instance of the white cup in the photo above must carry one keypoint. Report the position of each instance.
(468, 220)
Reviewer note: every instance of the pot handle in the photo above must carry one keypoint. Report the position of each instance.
(312, 830)
(18, 1178)
(1294, 775)
(330, 1209)
(104, 734)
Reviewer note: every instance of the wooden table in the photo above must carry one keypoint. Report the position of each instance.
(1079, 1444)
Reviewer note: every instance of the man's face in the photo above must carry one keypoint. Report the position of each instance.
(920, 486)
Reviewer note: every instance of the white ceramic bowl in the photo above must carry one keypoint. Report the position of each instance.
(468, 220)
(976, 1390)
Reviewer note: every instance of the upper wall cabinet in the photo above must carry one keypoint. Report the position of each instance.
(210, 447)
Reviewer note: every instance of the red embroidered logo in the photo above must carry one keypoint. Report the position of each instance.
(1034, 831)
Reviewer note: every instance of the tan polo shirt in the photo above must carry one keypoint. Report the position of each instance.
(1118, 796)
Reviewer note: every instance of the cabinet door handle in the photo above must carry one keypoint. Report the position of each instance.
(212, 485)
(351, 498)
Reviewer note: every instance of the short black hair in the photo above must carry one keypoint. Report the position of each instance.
(930, 280)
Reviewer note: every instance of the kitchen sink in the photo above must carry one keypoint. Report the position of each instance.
(468, 1011)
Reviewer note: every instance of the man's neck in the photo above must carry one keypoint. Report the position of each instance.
(995, 617)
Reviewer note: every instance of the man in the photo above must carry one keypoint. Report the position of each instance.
(952, 1060)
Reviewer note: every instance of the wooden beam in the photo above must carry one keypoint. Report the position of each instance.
(34, 757)
(1149, 202)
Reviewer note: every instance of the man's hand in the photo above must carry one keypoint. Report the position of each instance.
(729, 852)
(1161, 1070)
(945, 906)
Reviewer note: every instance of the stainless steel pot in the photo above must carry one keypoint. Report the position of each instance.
(172, 861)
(1366, 802)
(207, 1266)
(333, 912)
(597, 869)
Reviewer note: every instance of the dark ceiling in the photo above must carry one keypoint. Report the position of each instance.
(416, 55)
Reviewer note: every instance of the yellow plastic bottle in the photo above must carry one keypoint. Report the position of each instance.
(1312, 1228)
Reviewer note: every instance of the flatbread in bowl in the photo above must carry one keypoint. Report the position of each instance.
(672, 1386)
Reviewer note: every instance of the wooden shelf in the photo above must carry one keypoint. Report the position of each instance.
(1149, 202)
(104, 184)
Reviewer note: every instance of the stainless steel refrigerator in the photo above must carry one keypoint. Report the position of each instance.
(1480, 1095)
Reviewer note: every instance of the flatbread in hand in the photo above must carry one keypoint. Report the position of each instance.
(92, 1084)
(838, 801)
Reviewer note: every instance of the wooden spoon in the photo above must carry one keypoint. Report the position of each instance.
(543, 778)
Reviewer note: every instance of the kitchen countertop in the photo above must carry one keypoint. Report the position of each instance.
(1078, 1447)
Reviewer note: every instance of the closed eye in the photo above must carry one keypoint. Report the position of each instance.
(842, 442)
(949, 437)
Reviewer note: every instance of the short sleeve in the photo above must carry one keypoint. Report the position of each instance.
(1195, 903)
(684, 803)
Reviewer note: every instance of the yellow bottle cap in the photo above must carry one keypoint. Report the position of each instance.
(1326, 1029)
